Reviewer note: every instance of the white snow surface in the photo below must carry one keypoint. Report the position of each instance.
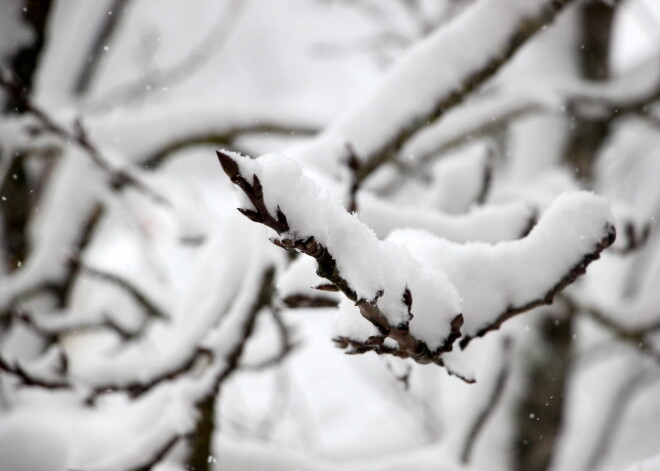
(374, 269)
(418, 83)
(459, 178)
(494, 278)
(491, 223)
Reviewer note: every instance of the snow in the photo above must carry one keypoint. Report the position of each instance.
(202, 262)
(484, 29)
(168, 344)
(651, 464)
(460, 179)
(300, 278)
(494, 278)
(491, 223)
(374, 269)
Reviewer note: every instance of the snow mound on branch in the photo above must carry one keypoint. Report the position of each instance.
(487, 283)
(374, 269)
(495, 279)
(491, 223)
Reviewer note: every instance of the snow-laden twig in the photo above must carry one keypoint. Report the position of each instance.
(117, 177)
(500, 281)
(435, 75)
(492, 223)
(390, 315)
(382, 278)
(492, 111)
(28, 379)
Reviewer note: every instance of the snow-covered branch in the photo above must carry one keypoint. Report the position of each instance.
(488, 284)
(432, 77)
(351, 257)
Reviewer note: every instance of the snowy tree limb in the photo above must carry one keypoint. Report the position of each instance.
(379, 128)
(141, 299)
(28, 379)
(408, 345)
(225, 137)
(496, 282)
(117, 177)
(577, 270)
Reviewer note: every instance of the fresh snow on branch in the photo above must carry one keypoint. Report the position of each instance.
(433, 76)
(501, 280)
(415, 284)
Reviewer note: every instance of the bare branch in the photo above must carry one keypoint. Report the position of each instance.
(353, 164)
(298, 301)
(50, 332)
(159, 455)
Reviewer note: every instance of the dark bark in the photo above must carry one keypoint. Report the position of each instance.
(540, 411)
(25, 62)
(17, 188)
(14, 209)
(201, 443)
(596, 21)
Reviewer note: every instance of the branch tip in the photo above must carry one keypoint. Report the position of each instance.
(229, 165)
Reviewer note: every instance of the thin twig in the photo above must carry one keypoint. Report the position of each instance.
(138, 388)
(28, 379)
(118, 178)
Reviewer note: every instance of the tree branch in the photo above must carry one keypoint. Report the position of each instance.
(408, 345)
(471, 78)
(577, 270)
(117, 177)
